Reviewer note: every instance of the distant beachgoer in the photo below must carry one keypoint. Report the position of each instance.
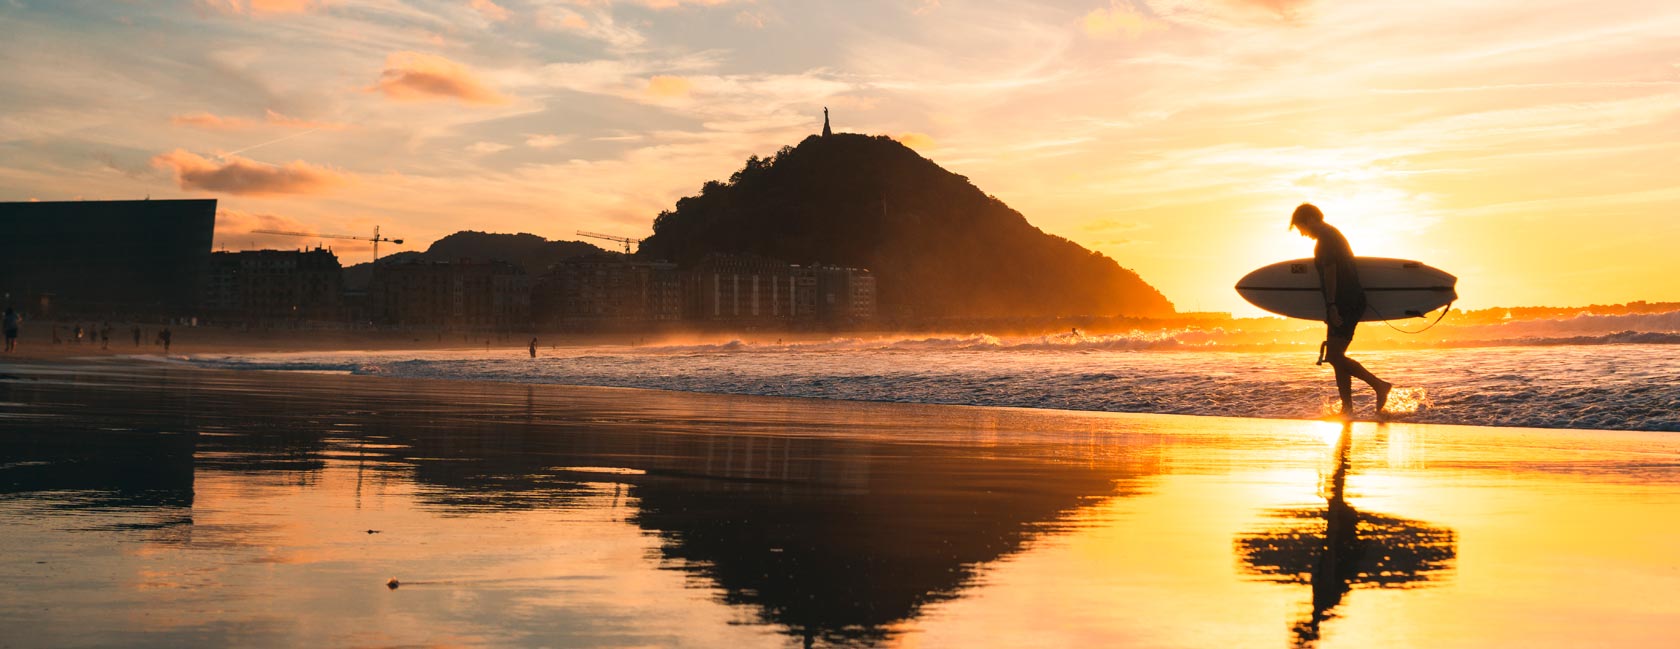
(13, 321)
(165, 337)
(105, 335)
(1344, 303)
(533, 347)
(77, 335)
(136, 335)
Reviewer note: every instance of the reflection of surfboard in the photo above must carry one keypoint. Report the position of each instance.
(1394, 289)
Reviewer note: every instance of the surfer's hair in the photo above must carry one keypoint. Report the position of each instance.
(1306, 213)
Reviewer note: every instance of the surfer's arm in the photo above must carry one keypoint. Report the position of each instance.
(1328, 273)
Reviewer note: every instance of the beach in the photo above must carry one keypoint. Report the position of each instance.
(153, 504)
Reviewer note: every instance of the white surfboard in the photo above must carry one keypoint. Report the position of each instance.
(1395, 289)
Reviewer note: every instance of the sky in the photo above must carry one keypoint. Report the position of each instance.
(1530, 147)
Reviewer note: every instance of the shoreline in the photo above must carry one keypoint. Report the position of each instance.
(229, 504)
(164, 365)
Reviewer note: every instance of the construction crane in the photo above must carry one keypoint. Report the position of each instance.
(624, 240)
(375, 238)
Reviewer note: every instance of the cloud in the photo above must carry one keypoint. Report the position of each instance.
(667, 86)
(673, 4)
(212, 122)
(925, 7)
(276, 119)
(486, 148)
(490, 10)
(234, 221)
(261, 7)
(1117, 21)
(1284, 8)
(413, 76)
(917, 141)
(546, 141)
(237, 230)
(243, 176)
(573, 21)
(752, 19)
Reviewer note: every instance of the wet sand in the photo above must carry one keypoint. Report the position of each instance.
(149, 505)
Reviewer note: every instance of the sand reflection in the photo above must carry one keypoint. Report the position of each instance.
(1337, 548)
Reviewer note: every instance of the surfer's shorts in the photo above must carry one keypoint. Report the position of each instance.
(1350, 320)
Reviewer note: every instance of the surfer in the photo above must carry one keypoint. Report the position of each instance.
(1344, 303)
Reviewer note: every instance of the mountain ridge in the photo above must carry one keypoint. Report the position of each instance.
(938, 245)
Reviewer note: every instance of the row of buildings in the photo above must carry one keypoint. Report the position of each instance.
(594, 292)
(153, 260)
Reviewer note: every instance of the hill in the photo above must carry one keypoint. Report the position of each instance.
(938, 245)
(528, 251)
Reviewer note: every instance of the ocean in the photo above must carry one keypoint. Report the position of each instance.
(1592, 372)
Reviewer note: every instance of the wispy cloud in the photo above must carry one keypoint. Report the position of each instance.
(917, 141)
(412, 76)
(546, 141)
(212, 122)
(668, 86)
(490, 10)
(1118, 20)
(243, 176)
(261, 7)
(486, 148)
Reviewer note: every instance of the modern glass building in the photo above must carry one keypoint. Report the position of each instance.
(107, 259)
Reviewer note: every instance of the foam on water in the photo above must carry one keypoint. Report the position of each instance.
(1624, 386)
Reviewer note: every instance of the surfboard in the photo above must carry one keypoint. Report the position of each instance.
(1395, 289)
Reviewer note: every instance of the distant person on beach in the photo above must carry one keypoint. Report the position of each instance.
(533, 347)
(136, 335)
(105, 335)
(12, 322)
(77, 335)
(1344, 303)
(165, 337)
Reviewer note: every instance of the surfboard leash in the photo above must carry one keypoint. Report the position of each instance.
(1444, 311)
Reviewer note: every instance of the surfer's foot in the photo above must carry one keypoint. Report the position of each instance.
(1382, 388)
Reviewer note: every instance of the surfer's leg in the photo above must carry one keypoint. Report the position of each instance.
(1347, 368)
(1336, 355)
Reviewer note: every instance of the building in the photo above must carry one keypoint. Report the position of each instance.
(835, 295)
(275, 285)
(107, 259)
(458, 295)
(749, 290)
(607, 290)
(740, 289)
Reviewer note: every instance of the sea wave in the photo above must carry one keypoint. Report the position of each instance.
(1624, 380)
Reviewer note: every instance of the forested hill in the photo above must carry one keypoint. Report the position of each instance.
(938, 245)
(531, 252)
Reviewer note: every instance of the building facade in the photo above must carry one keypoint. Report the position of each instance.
(108, 259)
(836, 295)
(275, 285)
(457, 295)
(607, 290)
(748, 290)
(740, 289)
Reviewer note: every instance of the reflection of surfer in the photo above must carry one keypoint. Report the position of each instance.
(1338, 565)
(1344, 303)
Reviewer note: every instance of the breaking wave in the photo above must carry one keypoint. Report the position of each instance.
(1624, 383)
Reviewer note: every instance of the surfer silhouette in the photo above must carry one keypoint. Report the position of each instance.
(1344, 303)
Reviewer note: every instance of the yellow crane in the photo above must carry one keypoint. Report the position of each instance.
(624, 240)
(375, 238)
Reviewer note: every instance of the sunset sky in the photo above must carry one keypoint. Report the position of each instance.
(1530, 147)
